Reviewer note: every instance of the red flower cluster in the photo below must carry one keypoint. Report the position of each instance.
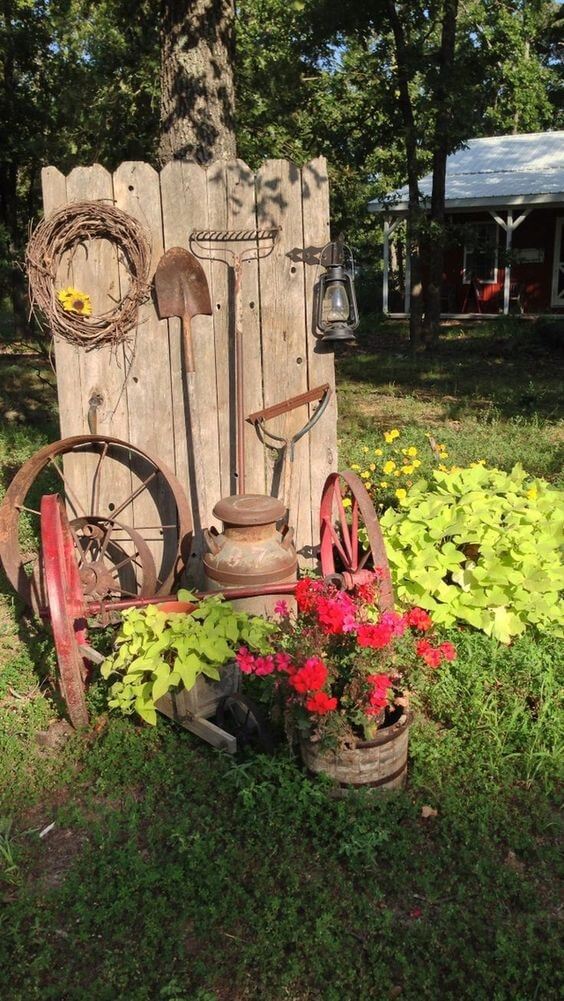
(375, 636)
(378, 698)
(307, 593)
(417, 618)
(311, 677)
(321, 703)
(434, 655)
(329, 647)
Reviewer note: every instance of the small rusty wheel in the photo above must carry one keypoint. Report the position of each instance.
(342, 549)
(107, 568)
(66, 605)
(109, 485)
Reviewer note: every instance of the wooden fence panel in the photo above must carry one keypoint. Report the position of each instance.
(188, 420)
(147, 381)
(321, 367)
(285, 369)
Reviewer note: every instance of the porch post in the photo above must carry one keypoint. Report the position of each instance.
(507, 277)
(509, 228)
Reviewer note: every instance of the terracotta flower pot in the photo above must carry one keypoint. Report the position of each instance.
(176, 606)
(380, 763)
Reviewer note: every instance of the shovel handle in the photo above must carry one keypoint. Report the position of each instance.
(187, 341)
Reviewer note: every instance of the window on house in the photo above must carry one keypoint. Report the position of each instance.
(480, 252)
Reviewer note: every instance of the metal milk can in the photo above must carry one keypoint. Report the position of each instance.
(251, 551)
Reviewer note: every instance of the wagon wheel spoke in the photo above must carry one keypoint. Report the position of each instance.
(345, 534)
(30, 510)
(125, 562)
(106, 541)
(354, 536)
(129, 594)
(133, 495)
(95, 503)
(336, 540)
(69, 494)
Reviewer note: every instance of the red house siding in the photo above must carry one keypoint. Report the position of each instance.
(535, 279)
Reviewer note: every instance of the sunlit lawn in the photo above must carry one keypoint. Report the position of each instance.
(175, 872)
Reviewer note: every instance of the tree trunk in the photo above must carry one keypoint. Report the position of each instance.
(410, 140)
(197, 86)
(440, 154)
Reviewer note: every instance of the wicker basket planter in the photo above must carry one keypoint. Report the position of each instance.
(380, 763)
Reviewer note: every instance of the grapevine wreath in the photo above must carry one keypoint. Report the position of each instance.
(68, 311)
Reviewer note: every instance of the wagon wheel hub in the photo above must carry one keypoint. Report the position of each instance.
(109, 556)
(97, 581)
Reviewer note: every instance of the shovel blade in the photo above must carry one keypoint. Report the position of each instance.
(181, 287)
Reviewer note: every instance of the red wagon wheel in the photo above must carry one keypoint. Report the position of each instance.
(343, 550)
(105, 482)
(66, 605)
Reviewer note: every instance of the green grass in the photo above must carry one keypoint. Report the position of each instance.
(490, 391)
(175, 872)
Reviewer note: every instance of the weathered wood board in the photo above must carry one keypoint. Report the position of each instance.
(188, 419)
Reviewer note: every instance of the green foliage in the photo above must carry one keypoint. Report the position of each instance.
(480, 546)
(159, 651)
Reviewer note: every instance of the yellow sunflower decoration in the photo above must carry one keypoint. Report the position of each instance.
(74, 301)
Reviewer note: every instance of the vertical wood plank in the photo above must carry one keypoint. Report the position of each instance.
(148, 385)
(284, 349)
(194, 395)
(241, 215)
(321, 361)
(223, 320)
(103, 370)
(67, 356)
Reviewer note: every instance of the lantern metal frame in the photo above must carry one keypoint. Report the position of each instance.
(337, 272)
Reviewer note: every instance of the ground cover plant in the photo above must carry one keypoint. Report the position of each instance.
(175, 872)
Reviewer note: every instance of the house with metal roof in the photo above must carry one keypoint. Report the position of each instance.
(505, 216)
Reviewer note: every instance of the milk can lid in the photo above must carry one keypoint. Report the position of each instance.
(249, 509)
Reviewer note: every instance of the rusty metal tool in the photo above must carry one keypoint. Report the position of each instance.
(181, 289)
(262, 242)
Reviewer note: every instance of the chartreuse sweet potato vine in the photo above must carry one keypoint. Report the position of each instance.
(480, 546)
(158, 651)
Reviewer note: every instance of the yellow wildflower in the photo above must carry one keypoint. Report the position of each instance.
(384, 484)
(407, 470)
(372, 467)
(397, 472)
(389, 466)
(74, 301)
(347, 502)
(411, 451)
(444, 454)
(442, 467)
(355, 465)
(378, 451)
(416, 463)
(365, 474)
(390, 436)
(365, 449)
(532, 493)
(401, 493)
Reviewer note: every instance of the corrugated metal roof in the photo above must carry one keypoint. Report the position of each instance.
(514, 169)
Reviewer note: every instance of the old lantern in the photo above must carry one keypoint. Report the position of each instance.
(337, 311)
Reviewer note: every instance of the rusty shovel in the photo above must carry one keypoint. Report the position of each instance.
(181, 289)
